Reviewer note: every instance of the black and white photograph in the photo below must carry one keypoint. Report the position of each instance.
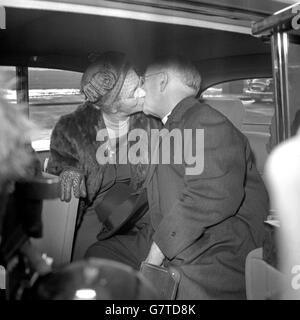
(150, 151)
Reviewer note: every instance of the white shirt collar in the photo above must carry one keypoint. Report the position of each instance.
(165, 118)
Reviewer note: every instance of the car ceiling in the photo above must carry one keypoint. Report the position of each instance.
(68, 40)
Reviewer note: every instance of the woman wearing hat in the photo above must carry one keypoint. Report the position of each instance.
(110, 86)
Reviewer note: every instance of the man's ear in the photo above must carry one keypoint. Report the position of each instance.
(163, 81)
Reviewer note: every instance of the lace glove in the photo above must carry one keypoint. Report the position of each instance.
(72, 178)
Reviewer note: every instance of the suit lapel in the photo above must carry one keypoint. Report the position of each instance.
(155, 156)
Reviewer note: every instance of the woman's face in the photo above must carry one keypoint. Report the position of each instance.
(130, 99)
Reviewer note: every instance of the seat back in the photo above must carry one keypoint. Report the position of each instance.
(59, 221)
(233, 109)
(263, 282)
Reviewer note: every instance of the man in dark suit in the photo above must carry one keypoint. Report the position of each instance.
(207, 215)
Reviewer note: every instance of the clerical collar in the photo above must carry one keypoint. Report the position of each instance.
(165, 118)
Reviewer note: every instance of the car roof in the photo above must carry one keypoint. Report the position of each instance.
(65, 34)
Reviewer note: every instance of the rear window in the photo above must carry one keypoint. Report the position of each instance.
(258, 124)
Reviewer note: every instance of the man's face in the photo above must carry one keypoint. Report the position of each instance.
(152, 89)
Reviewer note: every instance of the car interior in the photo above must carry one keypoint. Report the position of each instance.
(218, 36)
(31, 40)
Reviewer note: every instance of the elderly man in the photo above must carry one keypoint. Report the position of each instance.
(110, 85)
(205, 221)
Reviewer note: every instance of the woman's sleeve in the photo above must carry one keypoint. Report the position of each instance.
(63, 153)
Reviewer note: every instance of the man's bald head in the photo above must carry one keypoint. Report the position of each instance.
(181, 68)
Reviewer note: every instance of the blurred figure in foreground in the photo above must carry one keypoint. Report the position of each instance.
(283, 182)
(16, 154)
(94, 279)
(17, 163)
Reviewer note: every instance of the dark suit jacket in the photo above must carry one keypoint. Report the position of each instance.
(218, 213)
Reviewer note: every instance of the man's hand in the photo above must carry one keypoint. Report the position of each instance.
(155, 256)
(72, 178)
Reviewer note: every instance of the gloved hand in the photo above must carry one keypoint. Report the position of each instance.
(72, 178)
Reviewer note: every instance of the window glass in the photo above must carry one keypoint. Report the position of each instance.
(256, 96)
(293, 86)
(52, 93)
(8, 83)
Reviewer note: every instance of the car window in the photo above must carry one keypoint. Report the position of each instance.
(257, 97)
(8, 83)
(52, 93)
(293, 76)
